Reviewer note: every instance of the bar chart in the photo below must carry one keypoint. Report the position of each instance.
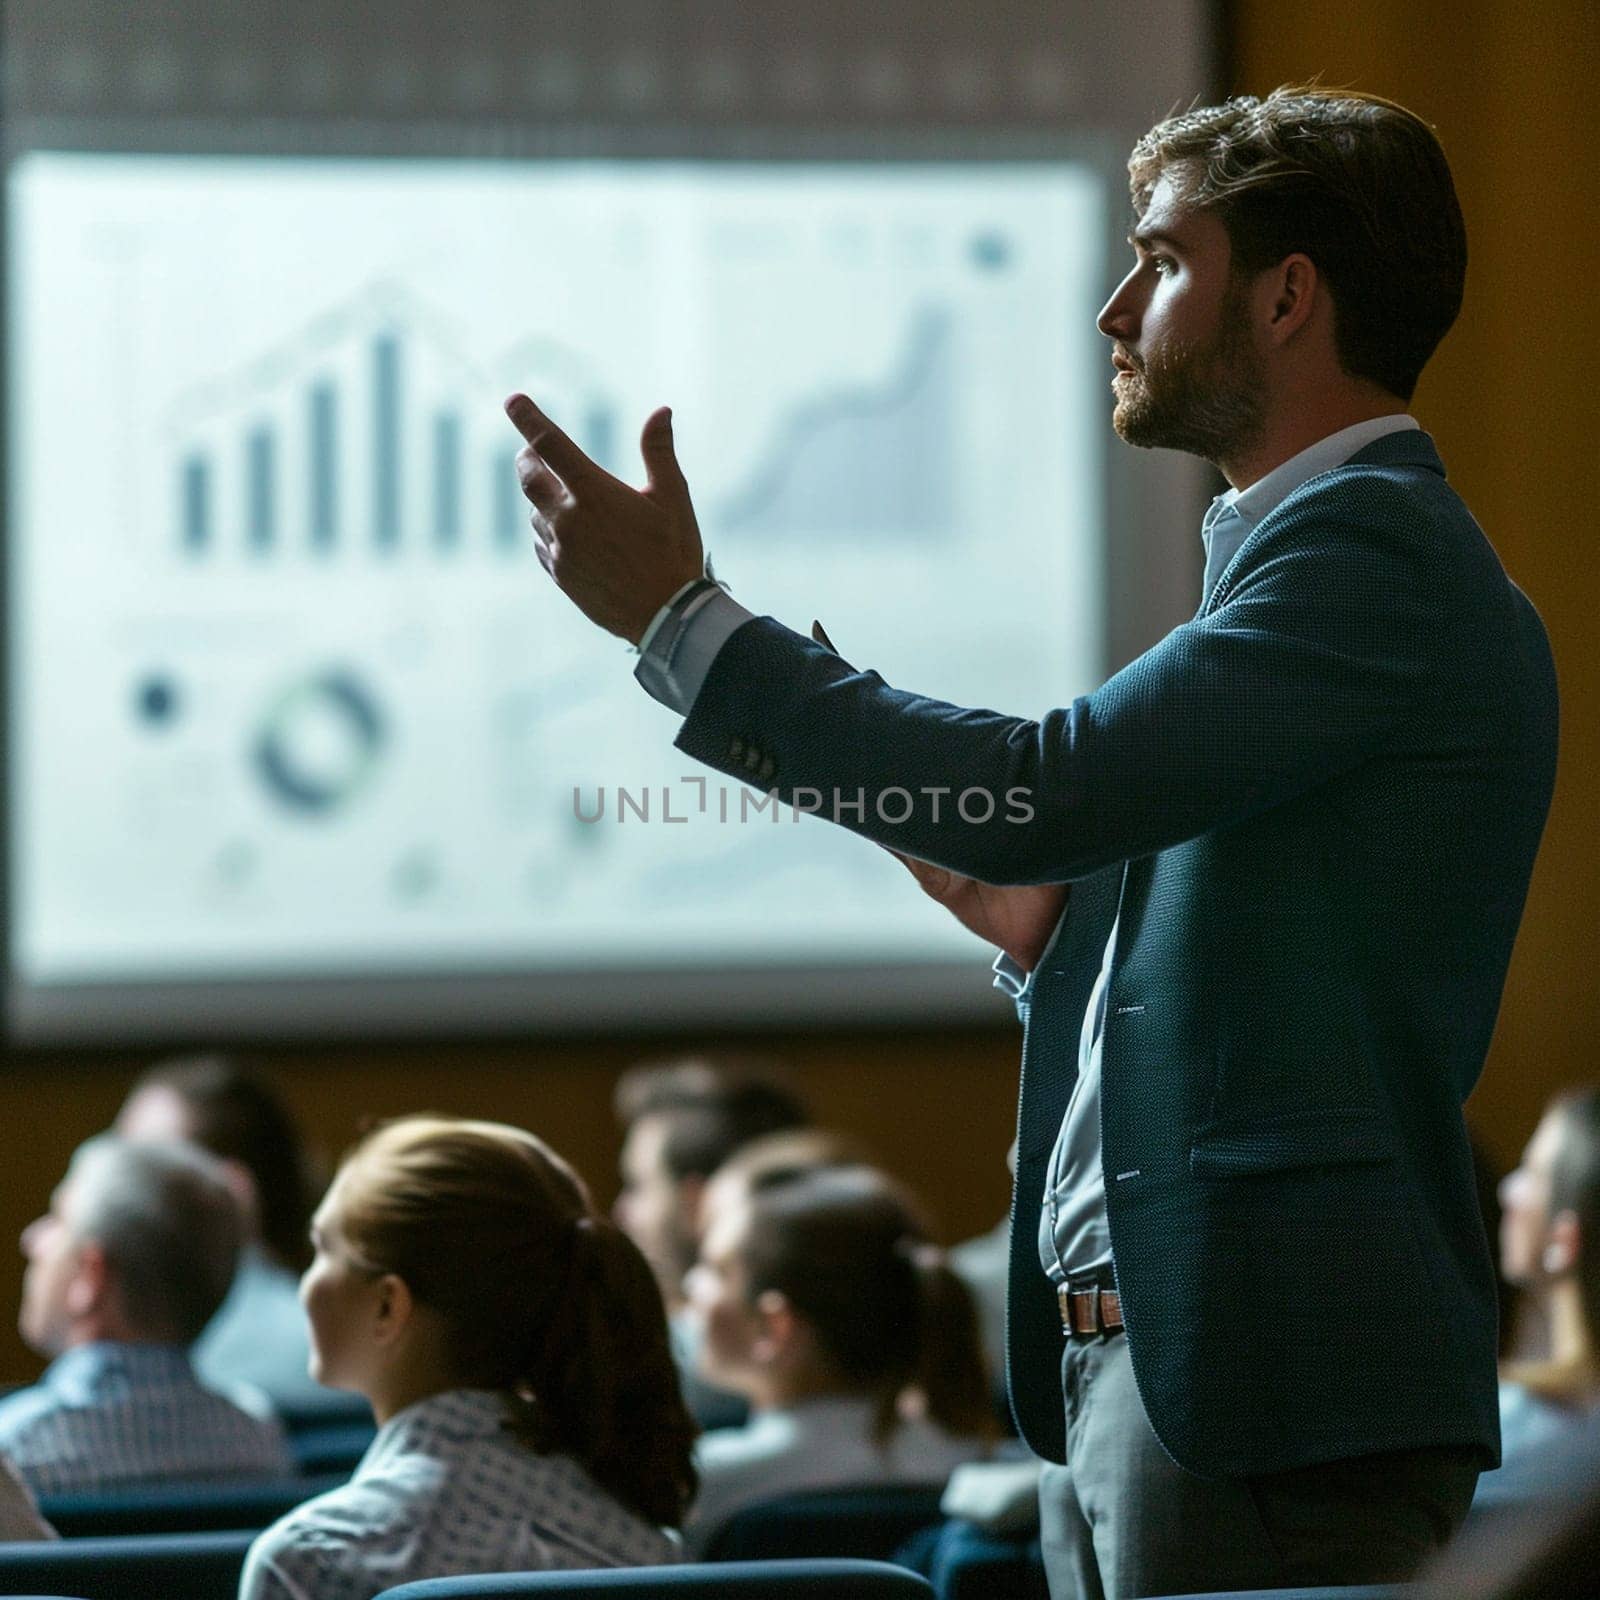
(363, 437)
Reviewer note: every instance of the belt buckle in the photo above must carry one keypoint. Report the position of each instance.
(1069, 1300)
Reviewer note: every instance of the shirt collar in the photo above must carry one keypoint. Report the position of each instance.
(1267, 494)
(86, 1366)
(444, 1421)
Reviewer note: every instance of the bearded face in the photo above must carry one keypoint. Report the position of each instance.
(1201, 394)
(1190, 375)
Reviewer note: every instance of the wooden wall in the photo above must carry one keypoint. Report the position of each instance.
(1511, 399)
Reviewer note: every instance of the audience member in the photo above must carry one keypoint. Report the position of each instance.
(513, 1345)
(1550, 1247)
(682, 1120)
(820, 1300)
(1547, 1548)
(128, 1265)
(258, 1337)
(772, 1159)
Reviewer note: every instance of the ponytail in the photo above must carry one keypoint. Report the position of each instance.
(845, 1247)
(602, 1385)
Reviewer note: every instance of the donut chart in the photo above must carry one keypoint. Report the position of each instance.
(320, 743)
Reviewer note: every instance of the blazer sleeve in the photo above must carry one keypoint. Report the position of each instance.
(1325, 650)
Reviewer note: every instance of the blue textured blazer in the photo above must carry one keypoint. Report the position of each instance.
(1317, 806)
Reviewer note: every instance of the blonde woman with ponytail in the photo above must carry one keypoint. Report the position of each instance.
(514, 1348)
(820, 1300)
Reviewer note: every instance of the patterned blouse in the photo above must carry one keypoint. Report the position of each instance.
(444, 1490)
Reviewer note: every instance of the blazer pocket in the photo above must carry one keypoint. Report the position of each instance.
(1241, 1147)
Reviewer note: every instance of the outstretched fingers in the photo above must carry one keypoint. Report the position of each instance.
(549, 443)
(540, 486)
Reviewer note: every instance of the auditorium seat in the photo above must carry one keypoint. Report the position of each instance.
(162, 1566)
(730, 1580)
(962, 1562)
(329, 1434)
(325, 1447)
(868, 1523)
(179, 1507)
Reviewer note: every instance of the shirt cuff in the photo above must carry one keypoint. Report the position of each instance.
(662, 615)
(682, 641)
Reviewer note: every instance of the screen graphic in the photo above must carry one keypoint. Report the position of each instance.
(290, 692)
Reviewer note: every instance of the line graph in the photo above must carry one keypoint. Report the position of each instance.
(862, 461)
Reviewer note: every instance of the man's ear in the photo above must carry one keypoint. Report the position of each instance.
(89, 1287)
(1565, 1244)
(777, 1327)
(394, 1310)
(1295, 288)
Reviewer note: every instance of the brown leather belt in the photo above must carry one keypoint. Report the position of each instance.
(1087, 1313)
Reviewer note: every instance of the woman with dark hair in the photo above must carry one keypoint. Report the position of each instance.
(822, 1302)
(513, 1345)
(1550, 1249)
(258, 1337)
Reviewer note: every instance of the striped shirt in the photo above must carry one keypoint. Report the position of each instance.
(108, 1413)
(446, 1490)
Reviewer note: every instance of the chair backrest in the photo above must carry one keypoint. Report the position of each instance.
(728, 1580)
(163, 1566)
(328, 1409)
(868, 1523)
(329, 1432)
(331, 1447)
(196, 1507)
(962, 1562)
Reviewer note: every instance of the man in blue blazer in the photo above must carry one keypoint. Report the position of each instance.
(1256, 895)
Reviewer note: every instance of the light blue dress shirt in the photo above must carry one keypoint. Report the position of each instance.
(108, 1413)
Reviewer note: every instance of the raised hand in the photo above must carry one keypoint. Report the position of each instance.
(618, 553)
(1018, 919)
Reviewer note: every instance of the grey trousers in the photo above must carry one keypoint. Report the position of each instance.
(1122, 1519)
